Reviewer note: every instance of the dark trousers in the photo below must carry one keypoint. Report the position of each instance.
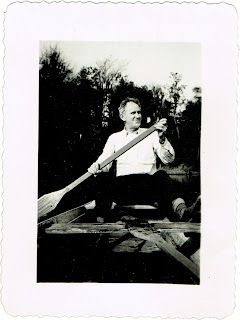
(135, 189)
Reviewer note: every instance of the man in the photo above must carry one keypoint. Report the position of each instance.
(137, 178)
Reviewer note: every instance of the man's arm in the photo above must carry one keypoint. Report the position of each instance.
(162, 146)
(108, 150)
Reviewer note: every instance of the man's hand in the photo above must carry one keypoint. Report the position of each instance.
(95, 168)
(161, 126)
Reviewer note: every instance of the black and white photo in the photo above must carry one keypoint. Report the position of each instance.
(119, 160)
(136, 218)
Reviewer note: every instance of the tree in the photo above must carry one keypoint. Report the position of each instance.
(108, 77)
(193, 109)
(197, 94)
(158, 106)
(192, 117)
(54, 75)
(56, 111)
(53, 67)
(174, 92)
(109, 73)
(86, 77)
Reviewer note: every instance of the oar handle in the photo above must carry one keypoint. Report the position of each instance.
(77, 182)
(112, 157)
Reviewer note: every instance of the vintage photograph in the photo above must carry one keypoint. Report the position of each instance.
(119, 162)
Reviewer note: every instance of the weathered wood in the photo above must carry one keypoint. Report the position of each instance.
(186, 245)
(196, 257)
(65, 217)
(175, 227)
(149, 247)
(65, 228)
(148, 235)
(182, 241)
(169, 227)
(129, 245)
(162, 235)
(114, 239)
(69, 215)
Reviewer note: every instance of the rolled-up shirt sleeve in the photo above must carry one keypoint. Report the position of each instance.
(108, 150)
(164, 151)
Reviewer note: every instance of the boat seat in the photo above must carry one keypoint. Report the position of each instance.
(141, 210)
(135, 211)
(135, 206)
(92, 205)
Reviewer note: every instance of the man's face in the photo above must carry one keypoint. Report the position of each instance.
(132, 116)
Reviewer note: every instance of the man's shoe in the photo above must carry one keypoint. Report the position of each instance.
(193, 213)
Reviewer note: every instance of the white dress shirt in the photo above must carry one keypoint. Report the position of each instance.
(141, 158)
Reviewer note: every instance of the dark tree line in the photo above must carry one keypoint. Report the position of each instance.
(77, 112)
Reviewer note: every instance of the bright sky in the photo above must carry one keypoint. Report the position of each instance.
(147, 63)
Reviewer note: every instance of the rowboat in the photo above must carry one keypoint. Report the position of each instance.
(124, 244)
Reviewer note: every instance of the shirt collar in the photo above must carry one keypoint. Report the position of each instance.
(126, 133)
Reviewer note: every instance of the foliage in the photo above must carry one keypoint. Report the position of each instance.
(109, 73)
(175, 89)
(191, 126)
(175, 92)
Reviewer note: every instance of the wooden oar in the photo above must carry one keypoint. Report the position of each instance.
(49, 201)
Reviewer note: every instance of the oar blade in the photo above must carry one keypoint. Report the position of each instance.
(48, 202)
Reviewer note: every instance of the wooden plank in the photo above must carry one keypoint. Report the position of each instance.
(148, 235)
(63, 217)
(170, 227)
(182, 241)
(69, 215)
(129, 245)
(175, 227)
(196, 257)
(188, 246)
(167, 236)
(66, 228)
(149, 247)
(160, 226)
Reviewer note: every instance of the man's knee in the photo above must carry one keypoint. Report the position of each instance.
(161, 174)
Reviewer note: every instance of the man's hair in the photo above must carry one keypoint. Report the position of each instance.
(122, 106)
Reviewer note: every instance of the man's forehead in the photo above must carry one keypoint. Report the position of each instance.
(131, 106)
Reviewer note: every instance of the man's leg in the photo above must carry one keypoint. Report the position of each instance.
(104, 184)
(164, 191)
(168, 196)
(185, 213)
